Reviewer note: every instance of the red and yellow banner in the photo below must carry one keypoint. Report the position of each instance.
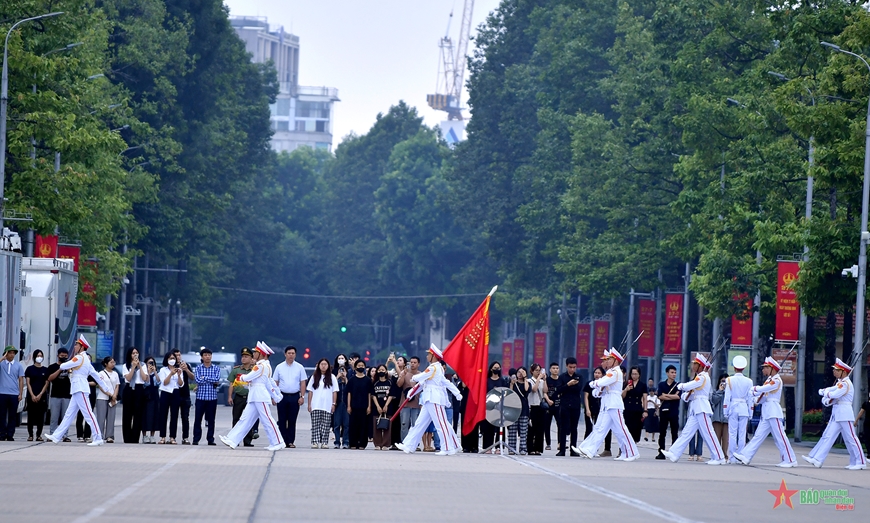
(673, 324)
(787, 308)
(46, 247)
(602, 338)
(87, 305)
(519, 352)
(741, 330)
(69, 252)
(540, 349)
(507, 349)
(646, 344)
(583, 332)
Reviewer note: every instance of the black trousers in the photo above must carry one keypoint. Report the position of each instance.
(569, 420)
(206, 408)
(169, 404)
(535, 438)
(553, 412)
(634, 423)
(36, 415)
(668, 417)
(488, 432)
(8, 415)
(288, 412)
(359, 429)
(184, 407)
(133, 399)
(470, 441)
(239, 404)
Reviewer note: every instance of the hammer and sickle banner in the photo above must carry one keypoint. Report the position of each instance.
(673, 324)
(602, 338)
(468, 355)
(46, 246)
(787, 308)
(646, 345)
(507, 349)
(583, 332)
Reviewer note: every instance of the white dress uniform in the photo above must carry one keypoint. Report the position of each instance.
(697, 395)
(260, 396)
(736, 407)
(611, 417)
(771, 423)
(433, 387)
(80, 368)
(842, 422)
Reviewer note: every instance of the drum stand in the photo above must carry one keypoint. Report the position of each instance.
(500, 447)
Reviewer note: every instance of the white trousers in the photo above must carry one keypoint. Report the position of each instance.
(432, 413)
(834, 429)
(696, 423)
(256, 410)
(737, 434)
(610, 420)
(79, 403)
(772, 426)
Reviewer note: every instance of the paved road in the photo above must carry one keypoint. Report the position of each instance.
(71, 482)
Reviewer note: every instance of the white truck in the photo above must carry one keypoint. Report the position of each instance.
(49, 306)
(10, 300)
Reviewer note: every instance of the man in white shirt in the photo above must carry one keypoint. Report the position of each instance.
(290, 377)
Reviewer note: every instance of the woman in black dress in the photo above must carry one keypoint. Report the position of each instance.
(151, 419)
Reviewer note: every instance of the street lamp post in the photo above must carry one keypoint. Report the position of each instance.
(860, 315)
(4, 99)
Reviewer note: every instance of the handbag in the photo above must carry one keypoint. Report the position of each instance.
(383, 423)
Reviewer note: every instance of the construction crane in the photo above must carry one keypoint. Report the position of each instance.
(451, 69)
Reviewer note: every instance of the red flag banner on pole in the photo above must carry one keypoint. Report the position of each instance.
(583, 332)
(673, 324)
(507, 349)
(46, 246)
(519, 351)
(787, 308)
(88, 307)
(69, 252)
(602, 337)
(741, 330)
(646, 345)
(540, 349)
(468, 354)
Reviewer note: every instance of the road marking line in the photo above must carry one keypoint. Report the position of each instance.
(631, 502)
(132, 489)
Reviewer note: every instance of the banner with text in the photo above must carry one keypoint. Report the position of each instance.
(741, 330)
(583, 332)
(673, 324)
(519, 358)
(787, 309)
(88, 307)
(540, 348)
(602, 339)
(789, 365)
(507, 349)
(646, 345)
(69, 252)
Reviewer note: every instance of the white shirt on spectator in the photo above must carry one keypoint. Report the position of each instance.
(111, 377)
(290, 377)
(173, 383)
(137, 376)
(652, 401)
(321, 397)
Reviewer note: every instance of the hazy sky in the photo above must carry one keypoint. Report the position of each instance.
(375, 52)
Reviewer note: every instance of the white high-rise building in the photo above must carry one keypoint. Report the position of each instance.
(301, 115)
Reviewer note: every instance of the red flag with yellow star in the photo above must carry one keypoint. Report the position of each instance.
(468, 355)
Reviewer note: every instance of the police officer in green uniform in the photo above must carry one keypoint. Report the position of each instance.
(239, 396)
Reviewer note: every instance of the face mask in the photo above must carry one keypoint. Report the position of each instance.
(39, 359)
(171, 362)
(62, 359)
(342, 361)
(361, 370)
(381, 374)
(496, 372)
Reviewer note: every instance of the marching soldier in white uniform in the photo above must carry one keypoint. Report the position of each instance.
(736, 406)
(842, 421)
(80, 368)
(260, 396)
(609, 389)
(771, 417)
(433, 387)
(697, 394)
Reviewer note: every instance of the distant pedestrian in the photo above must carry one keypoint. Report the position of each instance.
(340, 417)
(720, 421)
(11, 392)
(36, 376)
(651, 423)
(669, 412)
(238, 396)
(537, 413)
(409, 414)
(322, 400)
(488, 430)
(359, 391)
(183, 392)
(59, 396)
(521, 386)
(135, 375)
(593, 410)
(290, 376)
(634, 397)
(383, 396)
(570, 389)
(171, 378)
(208, 379)
(552, 399)
(107, 399)
(151, 399)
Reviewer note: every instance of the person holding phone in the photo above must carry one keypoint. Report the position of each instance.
(340, 418)
(570, 391)
(151, 399)
(135, 375)
(170, 378)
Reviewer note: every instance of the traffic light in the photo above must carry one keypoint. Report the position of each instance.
(307, 353)
(343, 328)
